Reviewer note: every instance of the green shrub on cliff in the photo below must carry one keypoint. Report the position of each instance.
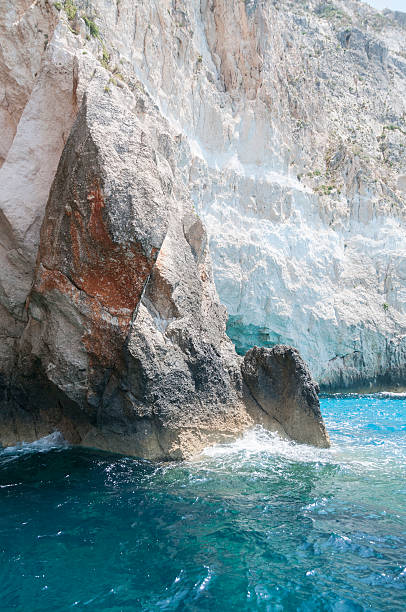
(94, 30)
(70, 9)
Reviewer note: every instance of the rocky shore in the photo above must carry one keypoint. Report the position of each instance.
(141, 144)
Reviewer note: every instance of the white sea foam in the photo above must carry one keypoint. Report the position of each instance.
(53, 440)
(390, 394)
(257, 446)
(258, 440)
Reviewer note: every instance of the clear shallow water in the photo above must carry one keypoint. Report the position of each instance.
(259, 524)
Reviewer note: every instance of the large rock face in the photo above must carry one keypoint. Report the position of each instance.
(123, 323)
(124, 347)
(130, 118)
(304, 200)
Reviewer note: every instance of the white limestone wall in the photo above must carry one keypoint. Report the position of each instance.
(258, 95)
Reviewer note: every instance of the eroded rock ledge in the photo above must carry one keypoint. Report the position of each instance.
(274, 388)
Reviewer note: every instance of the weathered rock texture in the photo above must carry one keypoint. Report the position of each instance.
(280, 383)
(124, 346)
(124, 330)
(304, 197)
(280, 123)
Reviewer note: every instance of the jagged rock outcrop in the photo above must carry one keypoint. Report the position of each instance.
(124, 345)
(281, 385)
(124, 326)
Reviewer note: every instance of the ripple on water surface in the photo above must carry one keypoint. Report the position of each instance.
(259, 524)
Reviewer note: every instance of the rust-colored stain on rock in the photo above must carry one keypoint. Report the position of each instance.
(113, 273)
(104, 339)
(105, 279)
(49, 280)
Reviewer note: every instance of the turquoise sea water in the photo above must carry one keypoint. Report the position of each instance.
(260, 524)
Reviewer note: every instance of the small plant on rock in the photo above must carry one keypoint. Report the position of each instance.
(70, 9)
(94, 30)
(105, 60)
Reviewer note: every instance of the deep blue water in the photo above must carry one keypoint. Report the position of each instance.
(260, 524)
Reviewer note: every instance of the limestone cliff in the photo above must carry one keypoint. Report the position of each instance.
(112, 331)
(304, 200)
(279, 123)
(290, 121)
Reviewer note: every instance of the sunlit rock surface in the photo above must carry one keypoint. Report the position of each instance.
(304, 198)
(280, 123)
